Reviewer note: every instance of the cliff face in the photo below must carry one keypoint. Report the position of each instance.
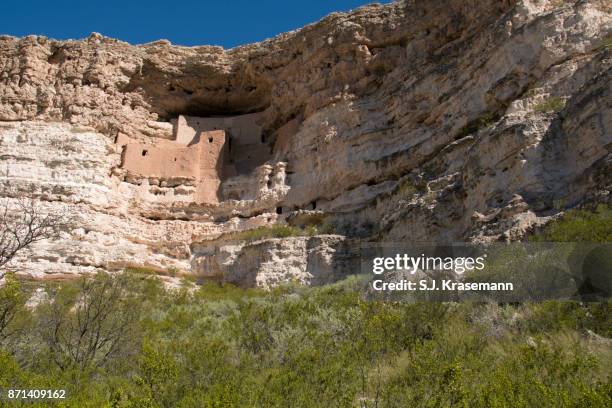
(418, 120)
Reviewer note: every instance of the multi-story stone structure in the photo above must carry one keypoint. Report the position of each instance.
(205, 152)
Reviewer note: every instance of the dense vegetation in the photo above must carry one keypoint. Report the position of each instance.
(580, 226)
(126, 341)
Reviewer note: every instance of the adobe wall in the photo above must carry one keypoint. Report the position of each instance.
(161, 160)
(244, 129)
(213, 151)
(203, 161)
(205, 150)
(247, 147)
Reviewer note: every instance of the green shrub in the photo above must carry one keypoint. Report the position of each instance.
(12, 301)
(223, 346)
(143, 270)
(224, 291)
(330, 227)
(90, 320)
(279, 231)
(552, 104)
(173, 271)
(273, 231)
(407, 188)
(579, 226)
(311, 230)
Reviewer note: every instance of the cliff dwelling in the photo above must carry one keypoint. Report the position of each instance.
(204, 152)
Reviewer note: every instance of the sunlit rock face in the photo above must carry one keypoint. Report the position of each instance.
(427, 121)
(265, 263)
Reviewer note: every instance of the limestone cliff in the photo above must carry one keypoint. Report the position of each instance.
(418, 120)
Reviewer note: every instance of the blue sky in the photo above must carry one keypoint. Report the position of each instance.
(227, 23)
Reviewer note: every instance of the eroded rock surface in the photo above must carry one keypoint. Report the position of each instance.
(268, 262)
(418, 120)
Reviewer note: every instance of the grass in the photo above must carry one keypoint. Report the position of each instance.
(273, 231)
(282, 231)
(550, 105)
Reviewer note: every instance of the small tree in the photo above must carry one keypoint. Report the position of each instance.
(87, 324)
(12, 300)
(22, 223)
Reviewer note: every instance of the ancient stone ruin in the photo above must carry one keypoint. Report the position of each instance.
(204, 152)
